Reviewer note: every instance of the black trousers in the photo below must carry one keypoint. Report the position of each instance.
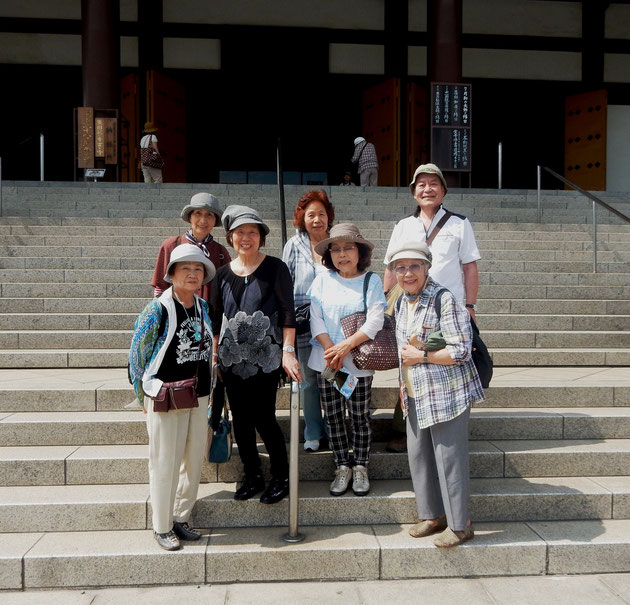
(253, 404)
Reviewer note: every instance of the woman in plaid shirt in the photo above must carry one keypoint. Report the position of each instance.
(438, 388)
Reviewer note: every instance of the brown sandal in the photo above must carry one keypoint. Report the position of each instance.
(448, 538)
(426, 528)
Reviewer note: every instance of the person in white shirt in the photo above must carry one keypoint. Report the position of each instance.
(454, 250)
(150, 173)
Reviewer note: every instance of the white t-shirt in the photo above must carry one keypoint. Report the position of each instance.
(146, 140)
(452, 247)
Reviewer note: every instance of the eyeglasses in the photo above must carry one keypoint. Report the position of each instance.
(402, 269)
(349, 248)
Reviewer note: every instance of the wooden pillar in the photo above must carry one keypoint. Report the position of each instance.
(444, 30)
(100, 47)
(444, 53)
(150, 46)
(593, 36)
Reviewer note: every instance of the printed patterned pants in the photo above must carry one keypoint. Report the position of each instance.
(358, 406)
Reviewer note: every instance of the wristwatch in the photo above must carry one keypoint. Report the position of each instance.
(472, 306)
(425, 359)
(288, 349)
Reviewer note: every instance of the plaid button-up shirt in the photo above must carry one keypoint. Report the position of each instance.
(441, 392)
(365, 154)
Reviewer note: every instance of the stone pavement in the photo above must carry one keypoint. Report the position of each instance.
(608, 589)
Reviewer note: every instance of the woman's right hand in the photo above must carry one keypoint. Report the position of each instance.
(335, 354)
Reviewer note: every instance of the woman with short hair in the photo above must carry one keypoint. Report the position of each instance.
(313, 218)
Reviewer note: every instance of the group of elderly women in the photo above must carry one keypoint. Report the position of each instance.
(233, 320)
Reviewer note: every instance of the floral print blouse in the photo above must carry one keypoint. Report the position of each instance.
(251, 313)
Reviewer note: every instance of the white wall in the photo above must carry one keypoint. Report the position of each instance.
(349, 14)
(618, 148)
(192, 53)
(356, 59)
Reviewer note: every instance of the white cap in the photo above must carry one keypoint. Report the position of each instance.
(189, 252)
(358, 140)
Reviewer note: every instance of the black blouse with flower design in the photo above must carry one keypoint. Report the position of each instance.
(249, 313)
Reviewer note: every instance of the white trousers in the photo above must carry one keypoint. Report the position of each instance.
(152, 175)
(177, 443)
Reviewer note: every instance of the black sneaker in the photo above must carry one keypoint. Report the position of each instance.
(168, 541)
(250, 487)
(184, 532)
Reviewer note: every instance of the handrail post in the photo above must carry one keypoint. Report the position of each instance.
(539, 179)
(293, 534)
(283, 216)
(0, 186)
(594, 238)
(41, 156)
(500, 168)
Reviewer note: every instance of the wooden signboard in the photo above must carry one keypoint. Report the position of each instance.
(99, 137)
(451, 126)
(110, 140)
(85, 134)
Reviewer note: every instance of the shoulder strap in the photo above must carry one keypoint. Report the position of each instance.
(366, 283)
(399, 303)
(437, 228)
(162, 326)
(438, 303)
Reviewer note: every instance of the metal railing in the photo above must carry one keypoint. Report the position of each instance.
(596, 201)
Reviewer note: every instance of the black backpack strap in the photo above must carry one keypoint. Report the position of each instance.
(366, 283)
(438, 303)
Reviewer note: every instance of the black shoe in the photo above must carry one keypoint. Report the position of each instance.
(250, 487)
(184, 532)
(276, 490)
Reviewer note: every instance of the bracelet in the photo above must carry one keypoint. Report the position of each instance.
(215, 355)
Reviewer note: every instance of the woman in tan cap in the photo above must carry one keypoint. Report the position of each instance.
(203, 212)
(151, 174)
(439, 383)
(335, 294)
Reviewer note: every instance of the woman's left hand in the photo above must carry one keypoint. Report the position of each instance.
(335, 355)
(411, 355)
(291, 366)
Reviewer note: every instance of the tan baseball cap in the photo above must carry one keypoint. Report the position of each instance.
(427, 169)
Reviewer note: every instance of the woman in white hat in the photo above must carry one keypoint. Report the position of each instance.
(172, 342)
(203, 212)
(254, 321)
(439, 383)
(335, 294)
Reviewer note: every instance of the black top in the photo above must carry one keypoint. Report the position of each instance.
(256, 308)
(180, 358)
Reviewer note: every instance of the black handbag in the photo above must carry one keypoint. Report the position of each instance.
(219, 445)
(303, 319)
(480, 355)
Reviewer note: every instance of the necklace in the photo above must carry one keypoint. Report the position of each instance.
(196, 324)
(245, 269)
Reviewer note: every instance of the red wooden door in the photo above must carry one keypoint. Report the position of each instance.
(129, 129)
(585, 119)
(381, 126)
(166, 108)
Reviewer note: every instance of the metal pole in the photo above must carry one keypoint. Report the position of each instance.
(283, 214)
(594, 238)
(539, 174)
(41, 156)
(293, 534)
(500, 165)
(0, 186)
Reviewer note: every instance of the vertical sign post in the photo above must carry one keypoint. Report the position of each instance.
(451, 126)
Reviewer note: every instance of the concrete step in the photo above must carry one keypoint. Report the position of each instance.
(356, 552)
(534, 306)
(507, 357)
(71, 508)
(73, 305)
(95, 339)
(503, 357)
(74, 321)
(128, 427)
(78, 389)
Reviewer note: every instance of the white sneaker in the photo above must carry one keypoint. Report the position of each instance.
(343, 477)
(360, 481)
(312, 445)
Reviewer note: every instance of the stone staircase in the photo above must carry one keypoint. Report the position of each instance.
(550, 448)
